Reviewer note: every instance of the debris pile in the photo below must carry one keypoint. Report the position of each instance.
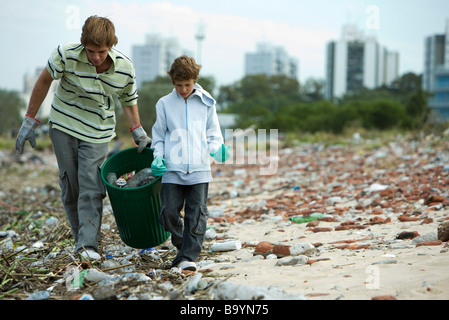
(329, 209)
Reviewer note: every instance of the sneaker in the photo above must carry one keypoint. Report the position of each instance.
(90, 255)
(187, 265)
(167, 245)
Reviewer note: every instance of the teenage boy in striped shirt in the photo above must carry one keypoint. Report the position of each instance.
(82, 122)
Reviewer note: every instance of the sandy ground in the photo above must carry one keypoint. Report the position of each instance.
(407, 271)
(258, 209)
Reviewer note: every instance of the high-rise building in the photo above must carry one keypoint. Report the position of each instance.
(356, 61)
(270, 60)
(155, 57)
(29, 80)
(436, 72)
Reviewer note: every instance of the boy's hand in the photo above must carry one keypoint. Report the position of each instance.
(222, 154)
(140, 138)
(158, 166)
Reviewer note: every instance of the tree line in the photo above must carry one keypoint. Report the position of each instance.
(280, 102)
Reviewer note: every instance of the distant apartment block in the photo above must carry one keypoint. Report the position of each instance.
(270, 60)
(355, 62)
(29, 80)
(436, 72)
(155, 56)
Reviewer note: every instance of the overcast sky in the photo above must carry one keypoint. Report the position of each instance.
(30, 30)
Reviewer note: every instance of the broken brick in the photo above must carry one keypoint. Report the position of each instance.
(429, 243)
(281, 250)
(384, 298)
(407, 235)
(321, 229)
(264, 248)
(406, 218)
(379, 220)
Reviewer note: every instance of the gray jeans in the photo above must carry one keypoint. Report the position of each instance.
(186, 236)
(82, 190)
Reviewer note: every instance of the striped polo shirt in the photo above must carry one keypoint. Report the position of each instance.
(84, 102)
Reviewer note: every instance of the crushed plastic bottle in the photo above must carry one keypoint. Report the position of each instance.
(312, 217)
(39, 295)
(111, 178)
(194, 283)
(131, 179)
(227, 290)
(141, 178)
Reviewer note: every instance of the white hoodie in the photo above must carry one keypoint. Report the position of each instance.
(186, 132)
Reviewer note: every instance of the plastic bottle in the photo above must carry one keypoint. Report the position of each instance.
(226, 246)
(39, 295)
(141, 178)
(128, 175)
(111, 178)
(312, 217)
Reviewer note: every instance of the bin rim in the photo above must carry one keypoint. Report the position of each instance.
(158, 178)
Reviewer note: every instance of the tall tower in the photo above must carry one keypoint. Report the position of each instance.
(199, 36)
(446, 47)
(358, 61)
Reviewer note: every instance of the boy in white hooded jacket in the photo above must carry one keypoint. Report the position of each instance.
(185, 134)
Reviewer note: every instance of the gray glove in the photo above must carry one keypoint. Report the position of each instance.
(140, 138)
(27, 132)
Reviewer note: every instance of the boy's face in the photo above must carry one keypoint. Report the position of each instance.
(184, 87)
(97, 54)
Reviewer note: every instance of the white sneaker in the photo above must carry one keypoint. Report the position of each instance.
(187, 265)
(90, 255)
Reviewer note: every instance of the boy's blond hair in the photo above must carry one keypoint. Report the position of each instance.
(98, 31)
(184, 68)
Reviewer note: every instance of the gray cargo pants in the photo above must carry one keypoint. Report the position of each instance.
(187, 236)
(82, 190)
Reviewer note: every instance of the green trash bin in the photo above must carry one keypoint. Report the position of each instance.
(136, 210)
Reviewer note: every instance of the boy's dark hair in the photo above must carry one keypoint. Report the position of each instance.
(184, 68)
(98, 31)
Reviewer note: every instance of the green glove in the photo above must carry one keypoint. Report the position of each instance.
(222, 154)
(27, 132)
(158, 166)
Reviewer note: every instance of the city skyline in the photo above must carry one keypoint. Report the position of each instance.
(231, 30)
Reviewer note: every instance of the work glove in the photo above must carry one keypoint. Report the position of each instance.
(158, 166)
(27, 132)
(140, 138)
(222, 154)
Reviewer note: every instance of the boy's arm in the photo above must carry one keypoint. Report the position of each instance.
(132, 114)
(30, 123)
(214, 136)
(158, 131)
(138, 133)
(39, 93)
